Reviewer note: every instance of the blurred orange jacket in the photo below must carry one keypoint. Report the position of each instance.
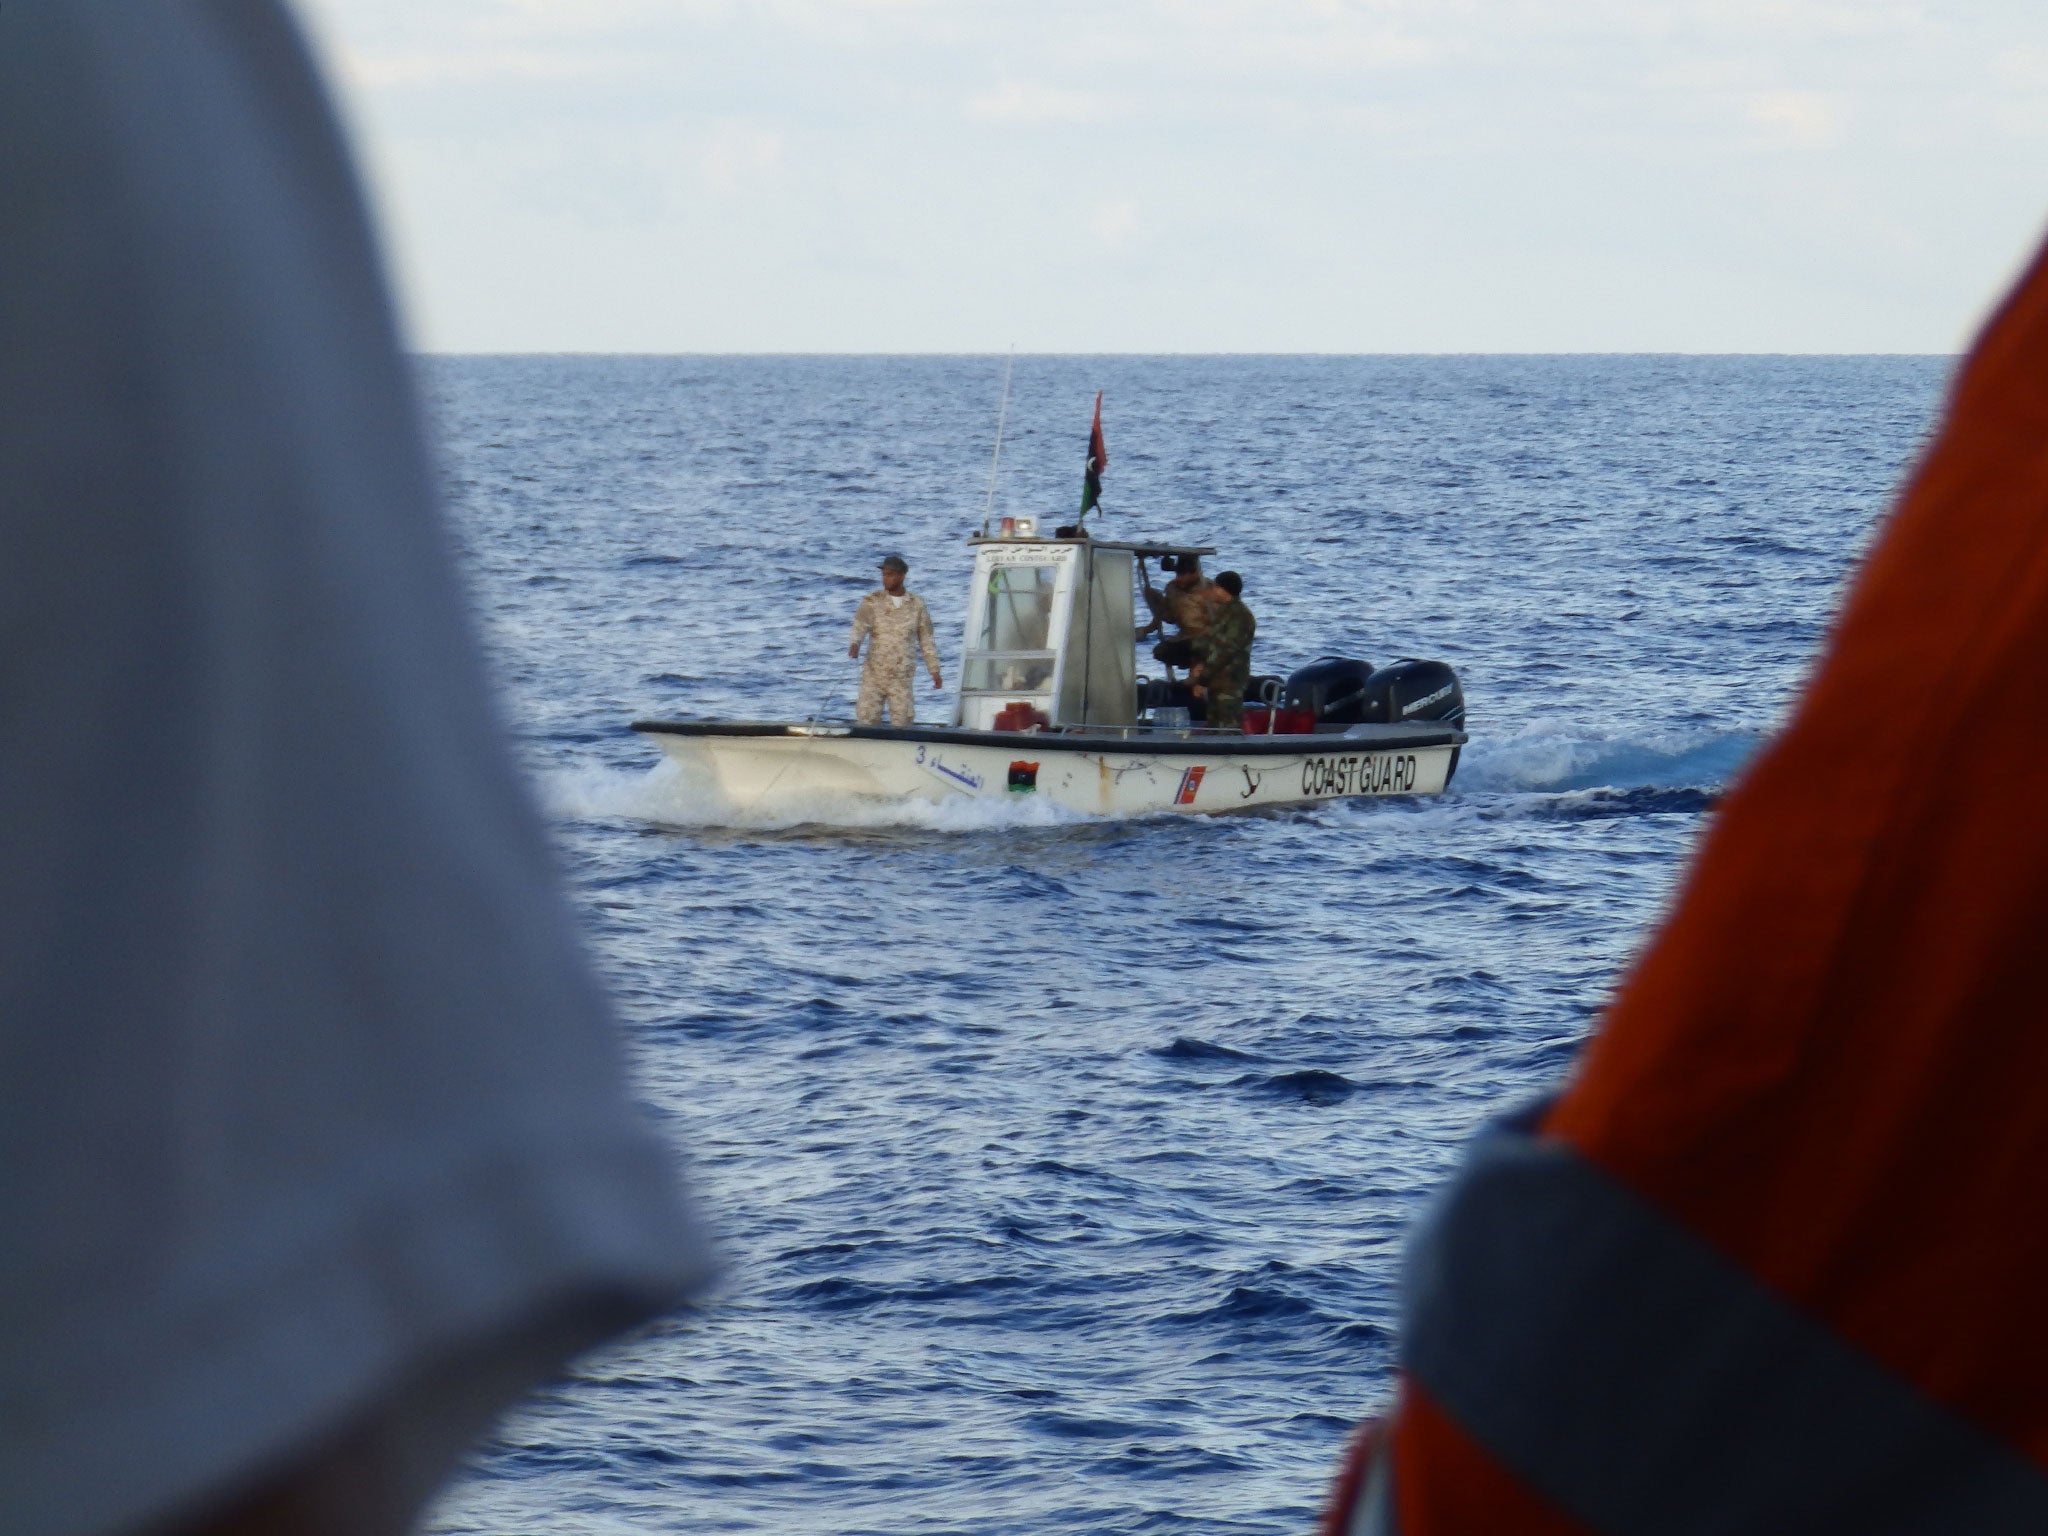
(1776, 1260)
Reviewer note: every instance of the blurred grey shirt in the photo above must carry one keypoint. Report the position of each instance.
(305, 1087)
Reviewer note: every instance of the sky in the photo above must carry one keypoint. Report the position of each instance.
(1197, 175)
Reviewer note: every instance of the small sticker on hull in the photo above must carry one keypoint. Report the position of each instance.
(1190, 782)
(1023, 778)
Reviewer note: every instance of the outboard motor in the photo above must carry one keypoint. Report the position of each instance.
(1331, 688)
(1340, 690)
(1422, 690)
(1411, 690)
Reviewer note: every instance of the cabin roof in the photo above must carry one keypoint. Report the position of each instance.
(1144, 551)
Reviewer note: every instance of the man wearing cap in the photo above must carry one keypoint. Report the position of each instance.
(892, 621)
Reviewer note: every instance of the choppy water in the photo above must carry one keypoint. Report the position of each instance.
(1062, 1166)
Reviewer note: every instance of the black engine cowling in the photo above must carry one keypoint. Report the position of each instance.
(1420, 690)
(1331, 688)
(1341, 690)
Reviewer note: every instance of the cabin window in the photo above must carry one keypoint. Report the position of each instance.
(1013, 653)
(1018, 615)
(1030, 673)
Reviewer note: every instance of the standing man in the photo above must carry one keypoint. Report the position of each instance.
(891, 621)
(1224, 654)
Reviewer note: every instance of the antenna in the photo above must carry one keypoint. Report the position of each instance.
(996, 458)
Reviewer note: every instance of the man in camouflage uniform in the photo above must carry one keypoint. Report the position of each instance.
(894, 622)
(1187, 603)
(1224, 654)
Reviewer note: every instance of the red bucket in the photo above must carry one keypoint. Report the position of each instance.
(1018, 715)
(1258, 719)
(1293, 722)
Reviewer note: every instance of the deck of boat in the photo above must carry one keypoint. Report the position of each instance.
(1157, 741)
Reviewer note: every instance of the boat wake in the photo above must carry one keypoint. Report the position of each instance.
(1550, 761)
(1552, 774)
(668, 796)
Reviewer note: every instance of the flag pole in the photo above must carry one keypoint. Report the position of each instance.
(996, 458)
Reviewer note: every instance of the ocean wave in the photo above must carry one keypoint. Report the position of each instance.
(1552, 760)
(1311, 1085)
(1185, 1048)
(1114, 1122)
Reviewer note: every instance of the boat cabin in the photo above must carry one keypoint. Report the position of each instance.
(1051, 624)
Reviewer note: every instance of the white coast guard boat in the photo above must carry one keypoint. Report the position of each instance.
(1051, 705)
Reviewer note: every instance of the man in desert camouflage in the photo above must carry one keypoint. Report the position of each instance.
(1223, 667)
(1187, 602)
(895, 623)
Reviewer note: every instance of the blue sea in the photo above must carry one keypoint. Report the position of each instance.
(1061, 1166)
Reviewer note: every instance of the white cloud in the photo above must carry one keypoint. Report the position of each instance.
(737, 157)
(2024, 69)
(1115, 223)
(1805, 119)
(1337, 173)
(368, 70)
(1018, 101)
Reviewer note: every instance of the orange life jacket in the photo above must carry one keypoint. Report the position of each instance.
(1776, 1260)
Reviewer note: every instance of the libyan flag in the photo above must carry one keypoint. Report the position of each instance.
(1098, 460)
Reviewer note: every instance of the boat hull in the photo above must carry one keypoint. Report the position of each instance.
(1115, 773)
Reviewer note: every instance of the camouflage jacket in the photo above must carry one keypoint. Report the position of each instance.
(894, 631)
(1188, 609)
(1226, 650)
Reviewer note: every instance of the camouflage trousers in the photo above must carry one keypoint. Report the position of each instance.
(879, 688)
(1223, 698)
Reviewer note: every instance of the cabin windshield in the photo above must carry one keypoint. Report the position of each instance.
(1019, 612)
(1014, 650)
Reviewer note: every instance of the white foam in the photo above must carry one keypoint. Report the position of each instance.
(668, 795)
(1555, 760)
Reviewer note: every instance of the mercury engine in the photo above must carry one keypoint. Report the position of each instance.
(1341, 690)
